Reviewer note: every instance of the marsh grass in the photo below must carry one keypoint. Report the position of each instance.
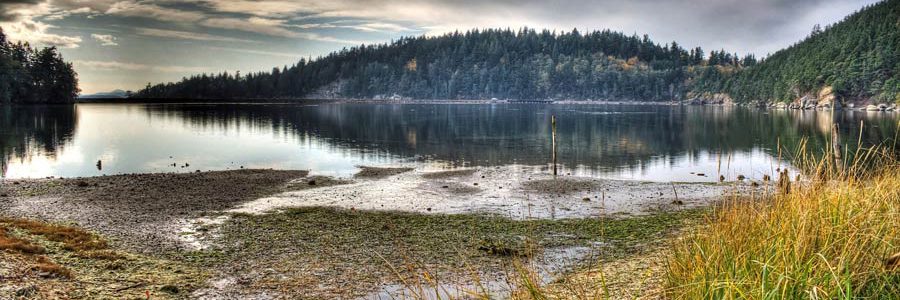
(827, 238)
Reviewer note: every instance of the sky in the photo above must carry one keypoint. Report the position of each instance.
(125, 44)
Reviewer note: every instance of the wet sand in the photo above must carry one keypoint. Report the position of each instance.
(140, 211)
(511, 191)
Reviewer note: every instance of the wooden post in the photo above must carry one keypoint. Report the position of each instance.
(836, 147)
(553, 128)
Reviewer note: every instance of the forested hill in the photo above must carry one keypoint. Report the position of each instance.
(480, 64)
(859, 58)
(29, 75)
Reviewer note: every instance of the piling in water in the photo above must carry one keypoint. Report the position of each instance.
(553, 138)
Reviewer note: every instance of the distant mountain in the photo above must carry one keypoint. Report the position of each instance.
(107, 95)
(480, 64)
(855, 59)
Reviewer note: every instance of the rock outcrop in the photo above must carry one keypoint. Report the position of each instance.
(710, 98)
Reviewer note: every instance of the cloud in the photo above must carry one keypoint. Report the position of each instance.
(272, 27)
(62, 14)
(270, 53)
(185, 35)
(270, 9)
(388, 27)
(265, 26)
(36, 33)
(117, 66)
(145, 10)
(105, 39)
(357, 25)
(14, 10)
(758, 26)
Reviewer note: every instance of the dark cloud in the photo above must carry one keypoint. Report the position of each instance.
(10, 10)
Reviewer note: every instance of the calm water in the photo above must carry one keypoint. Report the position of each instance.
(657, 143)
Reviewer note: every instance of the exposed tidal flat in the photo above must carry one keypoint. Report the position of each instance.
(386, 232)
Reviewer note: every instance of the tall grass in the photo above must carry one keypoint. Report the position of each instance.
(830, 237)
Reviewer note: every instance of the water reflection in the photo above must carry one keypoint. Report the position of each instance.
(32, 135)
(635, 142)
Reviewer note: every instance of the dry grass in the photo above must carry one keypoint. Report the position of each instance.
(83, 243)
(15, 244)
(65, 262)
(47, 268)
(826, 239)
(73, 239)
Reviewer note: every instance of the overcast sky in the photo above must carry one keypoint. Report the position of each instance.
(126, 44)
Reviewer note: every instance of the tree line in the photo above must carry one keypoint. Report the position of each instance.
(30, 75)
(478, 64)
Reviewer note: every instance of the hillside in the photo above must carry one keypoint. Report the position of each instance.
(503, 64)
(855, 59)
(859, 58)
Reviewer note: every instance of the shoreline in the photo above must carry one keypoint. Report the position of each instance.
(884, 108)
(150, 212)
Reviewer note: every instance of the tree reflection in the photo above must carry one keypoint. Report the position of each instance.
(602, 137)
(34, 130)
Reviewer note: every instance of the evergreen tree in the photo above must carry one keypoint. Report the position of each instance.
(28, 75)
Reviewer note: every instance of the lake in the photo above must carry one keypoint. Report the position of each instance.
(639, 142)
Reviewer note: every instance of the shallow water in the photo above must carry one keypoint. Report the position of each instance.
(654, 143)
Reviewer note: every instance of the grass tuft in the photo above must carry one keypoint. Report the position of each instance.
(73, 239)
(831, 237)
